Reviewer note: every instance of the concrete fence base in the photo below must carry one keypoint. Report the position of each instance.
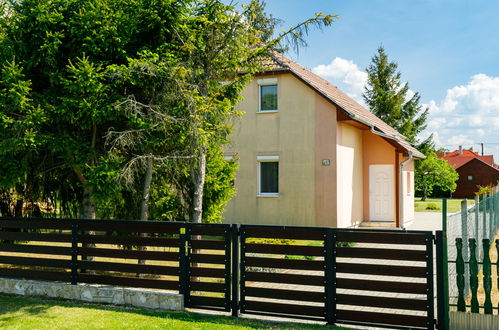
(473, 321)
(144, 298)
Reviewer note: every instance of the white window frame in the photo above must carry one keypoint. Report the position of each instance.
(263, 159)
(267, 82)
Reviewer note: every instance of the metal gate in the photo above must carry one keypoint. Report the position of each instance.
(350, 276)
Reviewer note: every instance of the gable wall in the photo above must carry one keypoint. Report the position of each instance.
(482, 174)
(288, 134)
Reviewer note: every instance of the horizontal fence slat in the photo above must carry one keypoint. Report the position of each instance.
(382, 318)
(208, 272)
(128, 268)
(209, 229)
(129, 240)
(208, 244)
(305, 233)
(36, 224)
(208, 258)
(383, 302)
(41, 262)
(35, 274)
(285, 263)
(285, 294)
(127, 227)
(301, 250)
(390, 254)
(284, 308)
(129, 254)
(11, 236)
(384, 270)
(381, 237)
(36, 249)
(207, 286)
(285, 278)
(381, 286)
(206, 301)
(128, 281)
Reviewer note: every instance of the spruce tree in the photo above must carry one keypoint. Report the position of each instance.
(389, 99)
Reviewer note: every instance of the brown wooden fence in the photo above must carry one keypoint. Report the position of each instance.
(107, 252)
(341, 275)
(350, 276)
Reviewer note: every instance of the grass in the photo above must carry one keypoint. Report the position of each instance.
(435, 205)
(36, 313)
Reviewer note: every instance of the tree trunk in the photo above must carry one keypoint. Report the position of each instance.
(198, 174)
(144, 208)
(87, 212)
(424, 194)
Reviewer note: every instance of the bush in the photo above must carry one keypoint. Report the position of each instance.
(432, 206)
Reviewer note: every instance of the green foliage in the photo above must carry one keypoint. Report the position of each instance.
(432, 206)
(389, 98)
(482, 190)
(93, 92)
(434, 172)
(293, 257)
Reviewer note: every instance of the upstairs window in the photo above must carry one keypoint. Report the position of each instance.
(268, 95)
(268, 176)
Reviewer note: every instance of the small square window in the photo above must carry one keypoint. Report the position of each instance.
(268, 98)
(470, 177)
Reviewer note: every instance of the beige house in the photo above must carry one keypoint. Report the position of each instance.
(310, 155)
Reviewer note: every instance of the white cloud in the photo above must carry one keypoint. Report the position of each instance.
(467, 115)
(345, 72)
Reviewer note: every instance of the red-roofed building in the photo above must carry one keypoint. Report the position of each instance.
(474, 170)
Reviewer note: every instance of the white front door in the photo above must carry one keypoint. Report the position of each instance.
(381, 194)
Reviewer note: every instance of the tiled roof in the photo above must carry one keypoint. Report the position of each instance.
(343, 101)
(458, 160)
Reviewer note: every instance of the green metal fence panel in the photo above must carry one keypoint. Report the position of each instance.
(473, 276)
(487, 280)
(461, 304)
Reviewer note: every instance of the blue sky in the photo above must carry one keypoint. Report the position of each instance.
(448, 51)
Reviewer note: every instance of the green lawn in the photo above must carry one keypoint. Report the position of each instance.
(37, 313)
(435, 205)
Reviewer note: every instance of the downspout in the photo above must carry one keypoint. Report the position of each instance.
(401, 193)
(401, 184)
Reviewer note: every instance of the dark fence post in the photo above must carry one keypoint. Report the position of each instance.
(74, 251)
(184, 262)
(227, 260)
(235, 270)
(242, 269)
(330, 274)
(442, 281)
(430, 322)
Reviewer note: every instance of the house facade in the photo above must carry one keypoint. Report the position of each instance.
(310, 155)
(474, 170)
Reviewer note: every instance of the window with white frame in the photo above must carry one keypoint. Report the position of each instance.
(268, 176)
(267, 95)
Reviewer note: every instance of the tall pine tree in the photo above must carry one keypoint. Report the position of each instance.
(389, 98)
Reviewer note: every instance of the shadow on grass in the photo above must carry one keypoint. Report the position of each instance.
(19, 306)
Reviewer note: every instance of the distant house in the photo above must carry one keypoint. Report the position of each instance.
(310, 155)
(474, 170)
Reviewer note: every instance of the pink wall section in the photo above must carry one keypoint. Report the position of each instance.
(376, 151)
